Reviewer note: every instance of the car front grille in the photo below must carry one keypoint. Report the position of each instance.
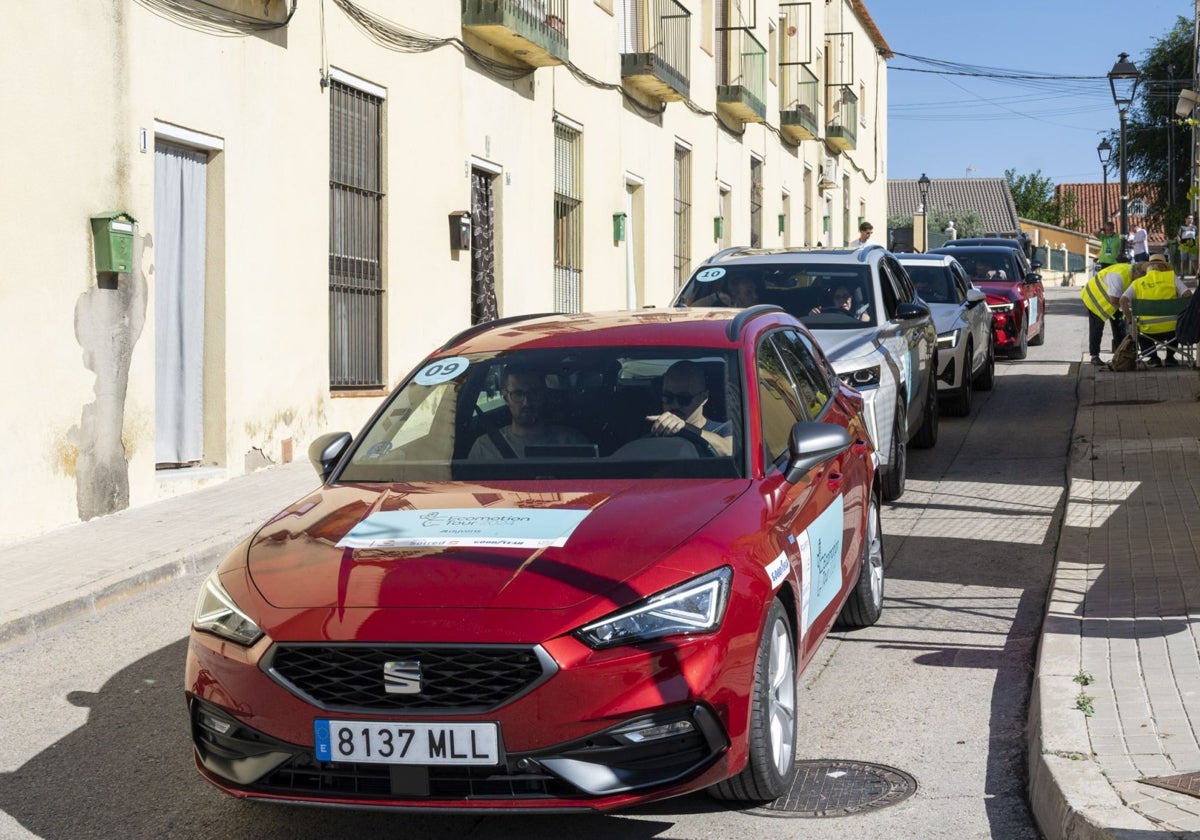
(453, 679)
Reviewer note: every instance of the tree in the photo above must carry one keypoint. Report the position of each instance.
(1158, 143)
(1035, 199)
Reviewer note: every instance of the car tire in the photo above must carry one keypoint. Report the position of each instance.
(958, 401)
(927, 435)
(1022, 349)
(986, 377)
(770, 765)
(1040, 338)
(865, 604)
(892, 474)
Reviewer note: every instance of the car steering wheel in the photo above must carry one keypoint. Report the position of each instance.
(703, 447)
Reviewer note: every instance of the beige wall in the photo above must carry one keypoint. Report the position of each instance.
(84, 82)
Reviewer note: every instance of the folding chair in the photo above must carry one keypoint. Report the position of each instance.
(1156, 312)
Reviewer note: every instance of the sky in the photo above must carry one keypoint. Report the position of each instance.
(963, 126)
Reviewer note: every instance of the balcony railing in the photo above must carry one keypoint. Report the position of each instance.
(654, 48)
(842, 131)
(742, 78)
(533, 32)
(798, 102)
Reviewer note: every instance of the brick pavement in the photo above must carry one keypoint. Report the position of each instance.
(1122, 611)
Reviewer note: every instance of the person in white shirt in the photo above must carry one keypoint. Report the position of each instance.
(1141, 245)
(865, 229)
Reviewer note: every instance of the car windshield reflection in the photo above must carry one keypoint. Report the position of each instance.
(822, 296)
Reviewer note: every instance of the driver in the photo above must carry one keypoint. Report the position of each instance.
(524, 393)
(683, 397)
(843, 303)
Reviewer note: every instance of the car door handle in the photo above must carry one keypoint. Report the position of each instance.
(835, 481)
(860, 446)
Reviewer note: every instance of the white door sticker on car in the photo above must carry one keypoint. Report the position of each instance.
(777, 570)
(460, 527)
(1033, 310)
(443, 370)
(710, 274)
(821, 562)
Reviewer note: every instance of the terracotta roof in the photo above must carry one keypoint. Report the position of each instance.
(1089, 205)
(873, 32)
(989, 197)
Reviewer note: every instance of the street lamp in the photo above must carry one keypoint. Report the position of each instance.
(923, 187)
(1104, 150)
(1123, 79)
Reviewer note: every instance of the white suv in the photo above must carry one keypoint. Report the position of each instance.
(862, 308)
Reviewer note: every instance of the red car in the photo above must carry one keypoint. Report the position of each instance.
(1014, 293)
(574, 562)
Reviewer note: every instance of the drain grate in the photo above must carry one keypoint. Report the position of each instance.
(834, 788)
(1188, 783)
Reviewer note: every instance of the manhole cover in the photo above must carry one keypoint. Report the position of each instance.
(832, 788)
(1188, 783)
(1127, 402)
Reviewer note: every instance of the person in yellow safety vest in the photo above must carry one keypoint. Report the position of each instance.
(1159, 283)
(1102, 296)
(1110, 245)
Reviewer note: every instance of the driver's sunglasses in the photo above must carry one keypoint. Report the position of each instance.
(525, 396)
(678, 399)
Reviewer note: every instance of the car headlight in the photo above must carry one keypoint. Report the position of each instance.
(948, 340)
(1000, 307)
(867, 377)
(696, 606)
(217, 613)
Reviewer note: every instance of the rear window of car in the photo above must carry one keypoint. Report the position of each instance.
(593, 409)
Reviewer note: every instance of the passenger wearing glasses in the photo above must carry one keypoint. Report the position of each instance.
(683, 398)
(524, 392)
(843, 303)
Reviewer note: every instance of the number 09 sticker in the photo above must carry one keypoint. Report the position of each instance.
(443, 370)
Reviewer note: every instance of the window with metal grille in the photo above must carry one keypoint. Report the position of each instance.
(568, 215)
(683, 215)
(355, 270)
(756, 199)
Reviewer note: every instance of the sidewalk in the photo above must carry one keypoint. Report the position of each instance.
(1125, 596)
(80, 568)
(1121, 606)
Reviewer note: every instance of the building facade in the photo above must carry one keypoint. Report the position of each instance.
(313, 195)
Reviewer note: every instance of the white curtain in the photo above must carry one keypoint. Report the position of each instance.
(179, 220)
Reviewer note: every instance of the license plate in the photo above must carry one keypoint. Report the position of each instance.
(407, 743)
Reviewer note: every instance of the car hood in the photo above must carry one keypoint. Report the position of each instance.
(848, 350)
(945, 316)
(475, 546)
(1008, 289)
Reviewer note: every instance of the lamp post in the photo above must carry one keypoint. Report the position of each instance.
(923, 187)
(1123, 80)
(1104, 151)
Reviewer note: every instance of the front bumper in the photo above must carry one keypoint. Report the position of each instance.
(603, 771)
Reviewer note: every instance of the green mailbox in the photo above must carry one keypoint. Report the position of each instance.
(112, 236)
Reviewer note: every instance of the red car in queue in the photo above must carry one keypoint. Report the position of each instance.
(1014, 290)
(573, 562)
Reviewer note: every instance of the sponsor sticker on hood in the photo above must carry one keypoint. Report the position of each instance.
(454, 527)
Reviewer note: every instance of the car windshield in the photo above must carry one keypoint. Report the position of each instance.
(557, 413)
(822, 295)
(932, 282)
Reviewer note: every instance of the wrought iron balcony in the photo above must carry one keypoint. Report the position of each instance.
(533, 32)
(842, 131)
(654, 48)
(742, 77)
(798, 103)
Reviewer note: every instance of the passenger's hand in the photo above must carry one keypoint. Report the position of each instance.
(665, 424)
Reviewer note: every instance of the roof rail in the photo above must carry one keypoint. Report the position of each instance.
(725, 252)
(746, 315)
(487, 325)
(866, 249)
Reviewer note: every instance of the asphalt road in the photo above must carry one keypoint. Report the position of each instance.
(94, 729)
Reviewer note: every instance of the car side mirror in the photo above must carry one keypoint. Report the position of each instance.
(911, 311)
(327, 450)
(1033, 277)
(1035, 265)
(811, 444)
(975, 297)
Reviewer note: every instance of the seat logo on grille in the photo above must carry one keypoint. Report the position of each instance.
(402, 677)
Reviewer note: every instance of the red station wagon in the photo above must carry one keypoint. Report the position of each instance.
(574, 562)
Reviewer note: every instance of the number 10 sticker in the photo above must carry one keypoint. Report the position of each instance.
(710, 274)
(443, 370)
